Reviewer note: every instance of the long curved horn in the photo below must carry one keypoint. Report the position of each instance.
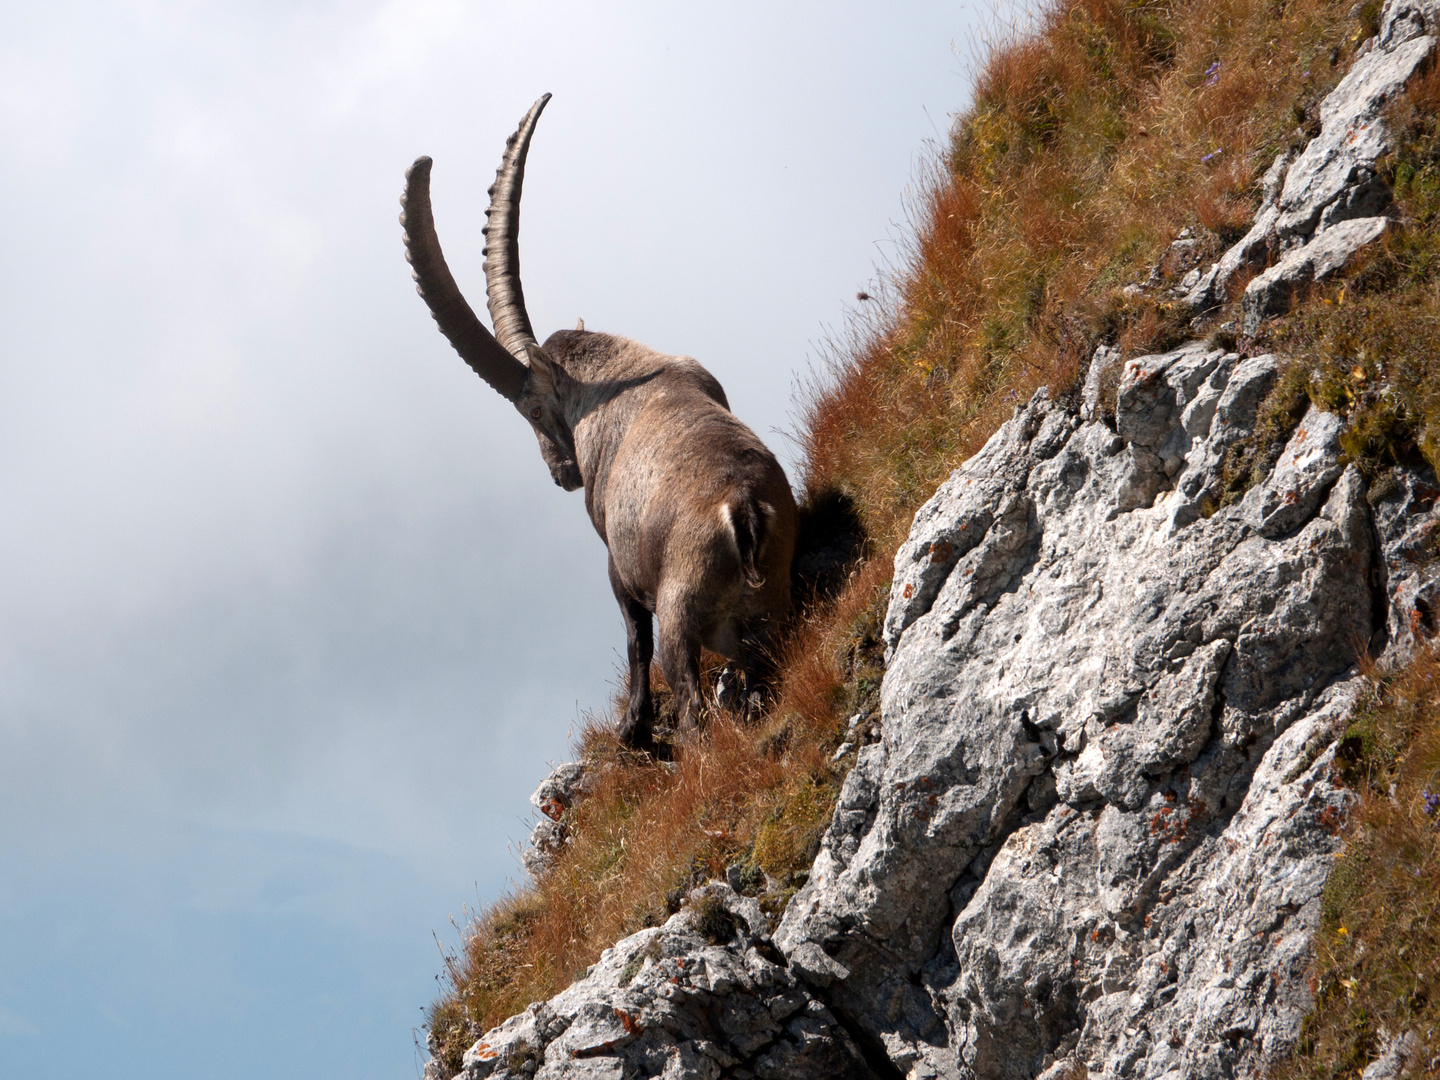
(502, 242)
(437, 287)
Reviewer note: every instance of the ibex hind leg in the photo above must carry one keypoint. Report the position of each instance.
(680, 661)
(637, 726)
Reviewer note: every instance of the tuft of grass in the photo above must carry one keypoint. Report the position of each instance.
(712, 919)
(1376, 973)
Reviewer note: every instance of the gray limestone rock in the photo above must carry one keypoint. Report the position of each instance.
(560, 790)
(554, 798)
(1223, 413)
(1098, 822)
(1097, 397)
(1409, 527)
(1102, 808)
(1334, 177)
(1271, 293)
(1390, 1065)
(667, 1002)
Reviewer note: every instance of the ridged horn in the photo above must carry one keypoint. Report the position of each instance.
(502, 242)
(436, 286)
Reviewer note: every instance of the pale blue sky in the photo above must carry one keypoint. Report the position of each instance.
(291, 616)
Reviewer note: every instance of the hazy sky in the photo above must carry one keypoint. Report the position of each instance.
(291, 615)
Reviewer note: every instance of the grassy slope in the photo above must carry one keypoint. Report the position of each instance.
(1377, 963)
(1090, 144)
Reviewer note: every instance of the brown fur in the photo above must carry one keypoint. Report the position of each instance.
(696, 512)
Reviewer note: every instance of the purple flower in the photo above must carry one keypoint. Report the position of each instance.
(1212, 74)
(1210, 157)
(1432, 801)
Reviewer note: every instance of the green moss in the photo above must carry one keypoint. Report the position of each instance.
(631, 969)
(749, 879)
(789, 839)
(636, 963)
(1249, 460)
(1372, 360)
(1367, 751)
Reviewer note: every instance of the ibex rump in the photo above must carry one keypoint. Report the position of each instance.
(695, 511)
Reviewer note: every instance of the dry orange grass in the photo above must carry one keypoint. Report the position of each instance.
(645, 832)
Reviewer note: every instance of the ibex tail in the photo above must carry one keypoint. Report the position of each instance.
(749, 521)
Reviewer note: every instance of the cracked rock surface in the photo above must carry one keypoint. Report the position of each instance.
(671, 1002)
(1096, 826)
(1098, 823)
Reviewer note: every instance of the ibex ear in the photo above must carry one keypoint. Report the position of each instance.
(544, 372)
(579, 324)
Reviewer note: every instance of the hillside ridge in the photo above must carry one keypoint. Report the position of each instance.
(1089, 815)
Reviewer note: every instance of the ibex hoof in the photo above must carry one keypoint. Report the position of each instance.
(635, 733)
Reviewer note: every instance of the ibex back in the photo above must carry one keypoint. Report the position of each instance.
(695, 511)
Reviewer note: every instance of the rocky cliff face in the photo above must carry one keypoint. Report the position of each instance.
(1095, 831)
(1099, 822)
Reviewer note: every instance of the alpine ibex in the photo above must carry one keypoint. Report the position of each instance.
(695, 511)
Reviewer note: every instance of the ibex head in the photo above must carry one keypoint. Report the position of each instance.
(515, 364)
